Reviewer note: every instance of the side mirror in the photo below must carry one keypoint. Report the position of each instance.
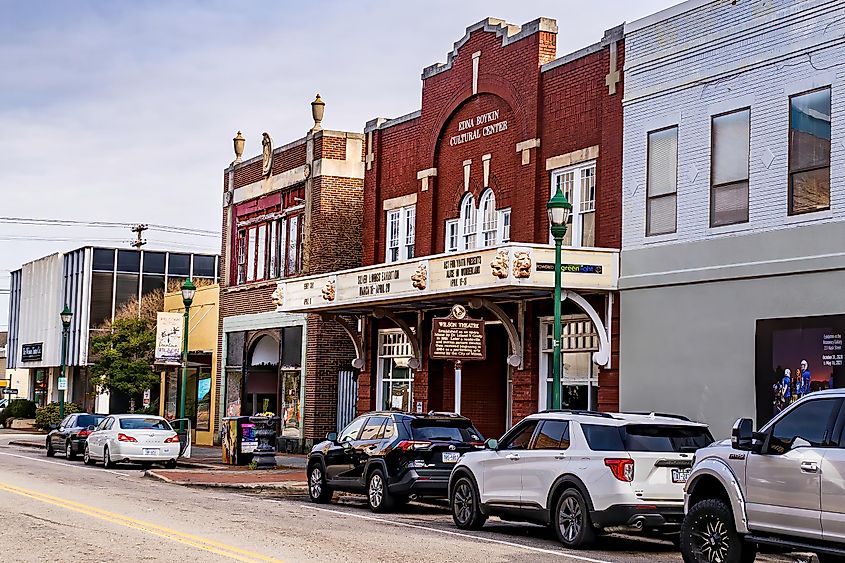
(491, 444)
(742, 435)
(331, 436)
(91, 428)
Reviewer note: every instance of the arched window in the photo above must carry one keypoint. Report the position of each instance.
(469, 222)
(489, 218)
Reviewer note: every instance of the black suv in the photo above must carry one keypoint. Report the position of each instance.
(390, 456)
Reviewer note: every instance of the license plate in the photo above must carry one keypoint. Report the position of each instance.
(681, 475)
(451, 457)
(150, 451)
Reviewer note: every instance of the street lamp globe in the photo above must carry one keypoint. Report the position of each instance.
(66, 315)
(558, 209)
(188, 290)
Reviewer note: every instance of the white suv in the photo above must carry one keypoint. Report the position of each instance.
(581, 471)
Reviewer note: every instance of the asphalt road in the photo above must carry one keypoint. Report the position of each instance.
(54, 510)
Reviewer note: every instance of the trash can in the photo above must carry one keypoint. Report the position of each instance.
(238, 439)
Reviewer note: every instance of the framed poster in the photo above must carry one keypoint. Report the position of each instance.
(795, 357)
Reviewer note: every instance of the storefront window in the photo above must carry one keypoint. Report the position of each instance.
(578, 342)
(395, 391)
(39, 386)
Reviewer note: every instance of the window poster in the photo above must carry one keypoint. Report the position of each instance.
(796, 357)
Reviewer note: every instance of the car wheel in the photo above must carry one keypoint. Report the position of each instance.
(50, 451)
(572, 520)
(708, 535)
(170, 464)
(107, 462)
(378, 497)
(318, 491)
(86, 456)
(69, 451)
(466, 508)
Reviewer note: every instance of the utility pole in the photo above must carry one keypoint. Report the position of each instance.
(139, 240)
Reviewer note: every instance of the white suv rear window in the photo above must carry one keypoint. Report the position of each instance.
(646, 438)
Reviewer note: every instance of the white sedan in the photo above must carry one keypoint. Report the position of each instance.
(132, 437)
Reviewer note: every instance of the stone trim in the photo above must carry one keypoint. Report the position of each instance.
(384, 123)
(339, 168)
(574, 157)
(424, 176)
(399, 202)
(525, 148)
(612, 35)
(272, 184)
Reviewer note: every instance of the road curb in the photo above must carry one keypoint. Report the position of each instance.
(34, 445)
(297, 488)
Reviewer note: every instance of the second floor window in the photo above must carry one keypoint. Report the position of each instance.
(730, 137)
(401, 233)
(270, 250)
(478, 227)
(578, 184)
(662, 182)
(809, 152)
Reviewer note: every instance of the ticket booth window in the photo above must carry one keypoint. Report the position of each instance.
(395, 378)
(579, 340)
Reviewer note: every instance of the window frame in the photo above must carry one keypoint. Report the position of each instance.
(648, 196)
(714, 187)
(828, 438)
(539, 430)
(487, 206)
(575, 226)
(507, 439)
(406, 227)
(452, 224)
(790, 173)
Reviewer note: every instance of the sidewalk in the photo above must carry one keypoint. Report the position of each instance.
(284, 480)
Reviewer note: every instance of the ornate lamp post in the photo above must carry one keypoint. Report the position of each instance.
(188, 290)
(558, 209)
(66, 316)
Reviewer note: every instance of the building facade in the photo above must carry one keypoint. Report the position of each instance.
(201, 391)
(455, 200)
(733, 208)
(95, 283)
(293, 210)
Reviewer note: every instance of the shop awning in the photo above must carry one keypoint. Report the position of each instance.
(505, 272)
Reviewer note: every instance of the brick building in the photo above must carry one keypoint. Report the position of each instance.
(293, 210)
(455, 214)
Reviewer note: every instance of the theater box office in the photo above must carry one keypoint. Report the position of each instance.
(454, 214)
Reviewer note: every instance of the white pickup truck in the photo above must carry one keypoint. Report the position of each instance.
(783, 486)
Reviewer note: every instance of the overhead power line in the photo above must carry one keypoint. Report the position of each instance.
(105, 224)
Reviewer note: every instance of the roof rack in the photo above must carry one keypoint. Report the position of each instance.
(663, 414)
(578, 412)
(444, 413)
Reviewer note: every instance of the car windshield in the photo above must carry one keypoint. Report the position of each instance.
(144, 424)
(85, 420)
(647, 438)
(446, 430)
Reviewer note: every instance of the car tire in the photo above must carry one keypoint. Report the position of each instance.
(107, 462)
(572, 522)
(318, 491)
(465, 505)
(86, 457)
(69, 455)
(50, 451)
(379, 498)
(170, 464)
(709, 534)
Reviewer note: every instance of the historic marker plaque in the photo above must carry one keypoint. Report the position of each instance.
(458, 337)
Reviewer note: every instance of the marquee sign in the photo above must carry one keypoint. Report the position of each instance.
(512, 265)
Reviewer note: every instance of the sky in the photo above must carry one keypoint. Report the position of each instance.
(124, 111)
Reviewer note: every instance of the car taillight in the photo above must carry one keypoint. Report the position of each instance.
(124, 438)
(406, 445)
(622, 469)
(83, 433)
(172, 439)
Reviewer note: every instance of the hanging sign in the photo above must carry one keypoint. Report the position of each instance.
(32, 352)
(169, 339)
(458, 337)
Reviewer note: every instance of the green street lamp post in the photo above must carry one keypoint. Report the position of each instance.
(188, 290)
(558, 209)
(66, 316)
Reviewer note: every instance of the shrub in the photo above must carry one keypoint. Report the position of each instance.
(18, 408)
(48, 415)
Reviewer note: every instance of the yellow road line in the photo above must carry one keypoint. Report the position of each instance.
(198, 542)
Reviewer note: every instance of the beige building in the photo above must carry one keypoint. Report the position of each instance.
(201, 388)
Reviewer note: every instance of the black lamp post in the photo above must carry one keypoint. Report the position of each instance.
(66, 316)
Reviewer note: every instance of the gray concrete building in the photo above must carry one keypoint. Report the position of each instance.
(733, 236)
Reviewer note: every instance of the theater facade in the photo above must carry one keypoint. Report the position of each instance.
(455, 229)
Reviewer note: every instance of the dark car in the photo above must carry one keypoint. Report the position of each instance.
(70, 435)
(391, 456)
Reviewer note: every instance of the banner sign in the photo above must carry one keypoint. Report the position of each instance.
(169, 339)
(32, 352)
(458, 337)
